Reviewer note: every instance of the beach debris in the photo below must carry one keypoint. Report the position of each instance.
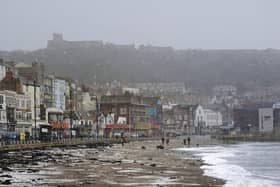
(6, 176)
(160, 147)
(111, 161)
(159, 185)
(6, 169)
(6, 182)
(143, 147)
(29, 170)
(153, 165)
(93, 159)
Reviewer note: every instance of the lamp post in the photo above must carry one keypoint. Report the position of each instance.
(71, 109)
(249, 128)
(35, 112)
(96, 116)
(35, 108)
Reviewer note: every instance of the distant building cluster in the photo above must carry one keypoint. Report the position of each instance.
(190, 120)
(51, 106)
(257, 118)
(162, 88)
(48, 106)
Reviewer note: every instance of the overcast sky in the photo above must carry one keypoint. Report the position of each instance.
(28, 24)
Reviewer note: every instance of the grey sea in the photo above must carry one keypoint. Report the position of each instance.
(244, 165)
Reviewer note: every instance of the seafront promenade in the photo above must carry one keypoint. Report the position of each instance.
(88, 142)
(36, 144)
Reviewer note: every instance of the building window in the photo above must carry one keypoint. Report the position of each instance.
(123, 111)
(22, 103)
(180, 117)
(28, 104)
(18, 115)
(267, 117)
(17, 103)
(28, 116)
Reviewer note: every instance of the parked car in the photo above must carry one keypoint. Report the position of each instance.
(117, 135)
(10, 136)
(134, 135)
(142, 135)
(173, 134)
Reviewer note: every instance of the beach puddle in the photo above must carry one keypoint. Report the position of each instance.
(132, 170)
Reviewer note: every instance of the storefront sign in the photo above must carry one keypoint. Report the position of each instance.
(44, 130)
(59, 125)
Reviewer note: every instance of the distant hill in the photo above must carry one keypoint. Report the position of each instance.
(95, 60)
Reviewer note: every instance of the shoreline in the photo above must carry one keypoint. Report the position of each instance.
(138, 163)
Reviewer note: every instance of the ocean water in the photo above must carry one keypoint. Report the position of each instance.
(242, 165)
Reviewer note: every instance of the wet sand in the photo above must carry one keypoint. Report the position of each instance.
(137, 163)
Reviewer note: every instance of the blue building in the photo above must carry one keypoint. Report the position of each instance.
(59, 90)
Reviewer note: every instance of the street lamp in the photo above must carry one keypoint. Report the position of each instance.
(96, 116)
(35, 108)
(71, 109)
(249, 128)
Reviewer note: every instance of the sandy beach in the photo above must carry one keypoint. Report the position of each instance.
(138, 163)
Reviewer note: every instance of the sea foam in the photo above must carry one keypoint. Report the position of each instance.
(220, 164)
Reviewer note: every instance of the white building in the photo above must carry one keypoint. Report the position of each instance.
(2, 71)
(16, 111)
(28, 90)
(59, 91)
(88, 102)
(199, 118)
(213, 118)
(135, 91)
(3, 112)
(265, 119)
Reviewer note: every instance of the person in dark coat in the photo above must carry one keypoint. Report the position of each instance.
(162, 140)
(189, 141)
(184, 141)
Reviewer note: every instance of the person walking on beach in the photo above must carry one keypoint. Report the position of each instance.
(162, 140)
(189, 141)
(167, 141)
(184, 141)
(122, 138)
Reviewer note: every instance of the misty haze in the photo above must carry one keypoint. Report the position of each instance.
(139, 93)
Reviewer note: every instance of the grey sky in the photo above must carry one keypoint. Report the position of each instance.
(28, 24)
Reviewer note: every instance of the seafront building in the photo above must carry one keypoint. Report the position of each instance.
(52, 107)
